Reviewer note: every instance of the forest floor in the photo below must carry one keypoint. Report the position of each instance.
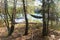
(35, 33)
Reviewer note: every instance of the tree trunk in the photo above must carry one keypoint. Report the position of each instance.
(6, 14)
(26, 19)
(48, 16)
(13, 19)
(44, 31)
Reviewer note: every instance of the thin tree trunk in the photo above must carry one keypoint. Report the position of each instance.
(48, 15)
(6, 14)
(13, 18)
(26, 19)
(44, 31)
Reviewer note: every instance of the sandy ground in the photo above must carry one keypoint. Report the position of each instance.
(34, 33)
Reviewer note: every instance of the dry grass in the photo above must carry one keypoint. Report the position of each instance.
(35, 32)
(18, 32)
